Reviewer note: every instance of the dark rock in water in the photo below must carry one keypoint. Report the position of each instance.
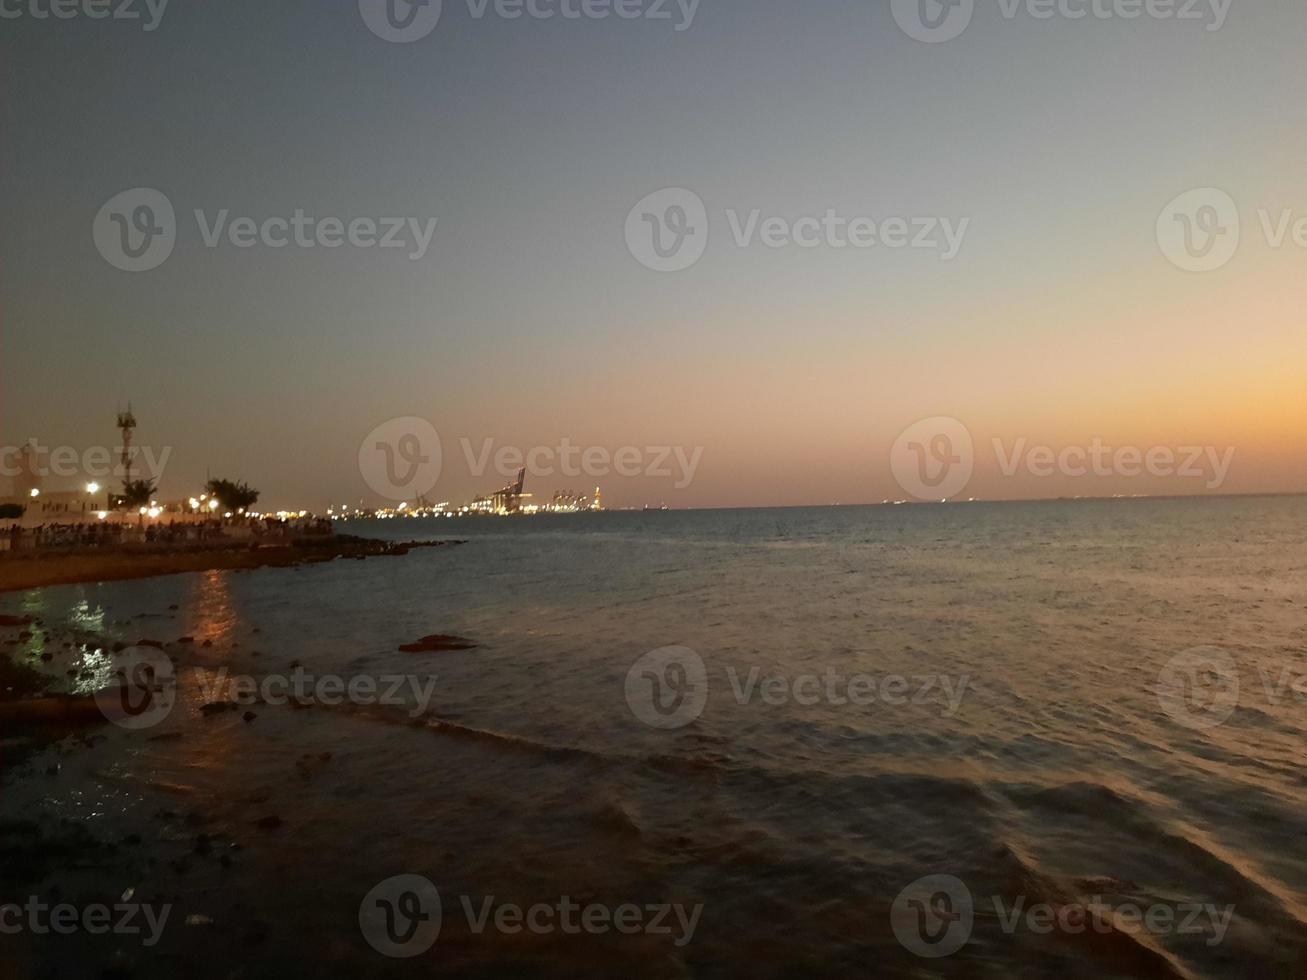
(47, 657)
(186, 639)
(271, 822)
(256, 934)
(207, 643)
(249, 716)
(172, 607)
(217, 707)
(118, 647)
(55, 710)
(16, 620)
(438, 643)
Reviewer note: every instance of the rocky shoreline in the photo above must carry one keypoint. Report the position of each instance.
(37, 570)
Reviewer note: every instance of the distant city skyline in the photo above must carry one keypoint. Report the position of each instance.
(1033, 161)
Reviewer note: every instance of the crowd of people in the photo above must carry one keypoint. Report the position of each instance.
(113, 534)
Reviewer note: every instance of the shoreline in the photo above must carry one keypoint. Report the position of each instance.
(34, 571)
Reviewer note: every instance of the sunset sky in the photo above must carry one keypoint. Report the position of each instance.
(528, 321)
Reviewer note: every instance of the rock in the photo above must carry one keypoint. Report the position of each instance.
(249, 716)
(217, 707)
(438, 643)
(56, 710)
(207, 643)
(186, 639)
(270, 822)
(256, 934)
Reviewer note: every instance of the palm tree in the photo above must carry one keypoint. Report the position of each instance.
(137, 493)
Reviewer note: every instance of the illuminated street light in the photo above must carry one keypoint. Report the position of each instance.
(93, 488)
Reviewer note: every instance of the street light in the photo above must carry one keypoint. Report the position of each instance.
(93, 488)
(35, 493)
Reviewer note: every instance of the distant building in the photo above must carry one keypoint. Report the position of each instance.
(505, 501)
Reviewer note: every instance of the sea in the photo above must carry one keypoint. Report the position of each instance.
(1059, 738)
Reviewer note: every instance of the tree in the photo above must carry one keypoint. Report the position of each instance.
(233, 496)
(10, 511)
(137, 493)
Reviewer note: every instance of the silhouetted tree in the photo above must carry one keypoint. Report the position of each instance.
(137, 493)
(233, 496)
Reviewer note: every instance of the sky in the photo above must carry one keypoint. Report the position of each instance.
(1058, 319)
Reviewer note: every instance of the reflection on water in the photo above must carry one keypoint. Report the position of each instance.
(795, 821)
(213, 617)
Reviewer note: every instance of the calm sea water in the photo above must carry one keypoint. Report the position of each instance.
(1002, 697)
